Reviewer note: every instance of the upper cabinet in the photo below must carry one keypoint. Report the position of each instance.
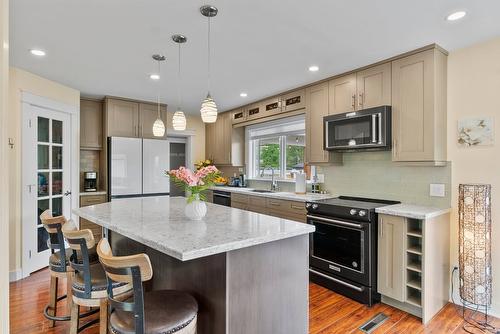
(342, 92)
(419, 108)
(254, 111)
(90, 124)
(122, 118)
(239, 115)
(223, 143)
(126, 118)
(317, 108)
(373, 86)
(272, 106)
(148, 114)
(364, 89)
(293, 101)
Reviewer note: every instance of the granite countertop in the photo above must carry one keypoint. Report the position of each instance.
(160, 223)
(278, 195)
(412, 211)
(90, 193)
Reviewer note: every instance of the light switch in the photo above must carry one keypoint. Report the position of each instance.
(321, 178)
(437, 190)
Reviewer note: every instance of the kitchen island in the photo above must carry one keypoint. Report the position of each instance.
(248, 271)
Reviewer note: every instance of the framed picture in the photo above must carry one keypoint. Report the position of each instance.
(475, 131)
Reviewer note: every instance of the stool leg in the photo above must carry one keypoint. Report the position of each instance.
(75, 317)
(103, 316)
(69, 290)
(53, 299)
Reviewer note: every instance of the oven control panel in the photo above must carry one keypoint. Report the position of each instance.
(338, 211)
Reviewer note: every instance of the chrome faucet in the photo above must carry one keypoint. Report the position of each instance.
(274, 183)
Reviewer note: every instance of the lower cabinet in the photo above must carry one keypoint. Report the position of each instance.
(85, 224)
(286, 209)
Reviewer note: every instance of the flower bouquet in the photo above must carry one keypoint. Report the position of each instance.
(194, 184)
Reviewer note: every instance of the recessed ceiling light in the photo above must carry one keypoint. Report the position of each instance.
(37, 52)
(313, 68)
(243, 94)
(456, 15)
(154, 76)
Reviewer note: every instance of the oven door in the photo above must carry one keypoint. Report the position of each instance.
(341, 247)
(222, 198)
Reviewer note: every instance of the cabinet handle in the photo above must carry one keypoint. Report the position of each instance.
(274, 203)
(353, 101)
(297, 207)
(361, 99)
(381, 232)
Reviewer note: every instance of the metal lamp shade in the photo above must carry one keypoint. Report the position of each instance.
(158, 128)
(208, 110)
(475, 243)
(179, 121)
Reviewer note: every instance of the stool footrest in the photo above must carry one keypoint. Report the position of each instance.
(66, 317)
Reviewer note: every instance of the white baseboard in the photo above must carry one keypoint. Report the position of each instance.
(15, 275)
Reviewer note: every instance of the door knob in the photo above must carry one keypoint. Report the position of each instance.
(67, 193)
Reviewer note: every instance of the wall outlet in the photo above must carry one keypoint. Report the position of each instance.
(437, 190)
(240, 170)
(321, 178)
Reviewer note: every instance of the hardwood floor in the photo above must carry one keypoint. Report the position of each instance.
(328, 312)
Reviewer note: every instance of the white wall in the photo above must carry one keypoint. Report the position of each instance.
(473, 91)
(4, 194)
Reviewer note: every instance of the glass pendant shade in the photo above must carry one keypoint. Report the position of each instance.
(158, 128)
(179, 121)
(208, 110)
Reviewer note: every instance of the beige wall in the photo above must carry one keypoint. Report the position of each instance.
(20, 81)
(473, 90)
(4, 195)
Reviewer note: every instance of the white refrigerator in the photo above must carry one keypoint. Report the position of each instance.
(137, 167)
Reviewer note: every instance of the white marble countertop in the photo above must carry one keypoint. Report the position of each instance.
(412, 211)
(160, 223)
(278, 195)
(92, 193)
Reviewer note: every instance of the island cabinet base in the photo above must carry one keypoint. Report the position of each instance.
(257, 289)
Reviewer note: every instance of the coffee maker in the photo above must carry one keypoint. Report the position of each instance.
(90, 181)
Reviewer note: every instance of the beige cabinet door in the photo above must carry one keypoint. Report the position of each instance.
(210, 141)
(374, 86)
(272, 106)
(122, 118)
(391, 252)
(342, 93)
(238, 115)
(316, 109)
(223, 144)
(293, 101)
(413, 107)
(91, 124)
(148, 113)
(254, 111)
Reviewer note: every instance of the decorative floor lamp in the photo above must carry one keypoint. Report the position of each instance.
(474, 217)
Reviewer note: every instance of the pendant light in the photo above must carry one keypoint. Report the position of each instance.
(179, 119)
(208, 107)
(158, 126)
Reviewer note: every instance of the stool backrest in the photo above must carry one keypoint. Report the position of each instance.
(53, 226)
(130, 269)
(80, 241)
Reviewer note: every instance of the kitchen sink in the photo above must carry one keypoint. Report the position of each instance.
(261, 191)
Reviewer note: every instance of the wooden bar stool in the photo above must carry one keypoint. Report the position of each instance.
(89, 280)
(154, 312)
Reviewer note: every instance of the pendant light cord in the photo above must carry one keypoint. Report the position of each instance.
(208, 59)
(158, 92)
(179, 97)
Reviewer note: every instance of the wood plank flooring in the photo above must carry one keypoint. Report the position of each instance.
(329, 313)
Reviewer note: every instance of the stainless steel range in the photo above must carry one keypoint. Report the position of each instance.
(343, 249)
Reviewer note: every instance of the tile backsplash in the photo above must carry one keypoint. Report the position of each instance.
(373, 174)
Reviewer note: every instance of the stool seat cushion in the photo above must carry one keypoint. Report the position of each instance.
(55, 259)
(165, 312)
(98, 280)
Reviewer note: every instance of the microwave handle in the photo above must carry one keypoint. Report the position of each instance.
(379, 128)
(374, 128)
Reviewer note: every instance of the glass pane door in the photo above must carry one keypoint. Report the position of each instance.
(350, 131)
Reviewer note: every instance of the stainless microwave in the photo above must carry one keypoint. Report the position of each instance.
(368, 129)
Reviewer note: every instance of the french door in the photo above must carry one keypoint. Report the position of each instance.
(46, 178)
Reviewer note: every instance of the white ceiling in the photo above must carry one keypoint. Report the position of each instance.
(260, 46)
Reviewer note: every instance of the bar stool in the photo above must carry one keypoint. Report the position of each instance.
(154, 312)
(89, 280)
(58, 265)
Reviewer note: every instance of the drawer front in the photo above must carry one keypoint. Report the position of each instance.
(92, 200)
(238, 205)
(288, 215)
(276, 204)
(240, 198)
(257, 204)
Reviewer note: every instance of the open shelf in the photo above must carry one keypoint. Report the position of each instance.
(414, 262)
(413, 296)
(414, 228)
(414, 279)
(414, 250)
(414, 244)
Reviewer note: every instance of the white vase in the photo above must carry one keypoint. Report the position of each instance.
(196, 210)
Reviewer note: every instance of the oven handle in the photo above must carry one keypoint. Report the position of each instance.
(338, 222)
(380, 128)
(354, 287)
(221, 195)
(374, 128)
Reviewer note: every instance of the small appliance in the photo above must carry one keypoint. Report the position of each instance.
(90, 181)
(368, 129)
(343, 249)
